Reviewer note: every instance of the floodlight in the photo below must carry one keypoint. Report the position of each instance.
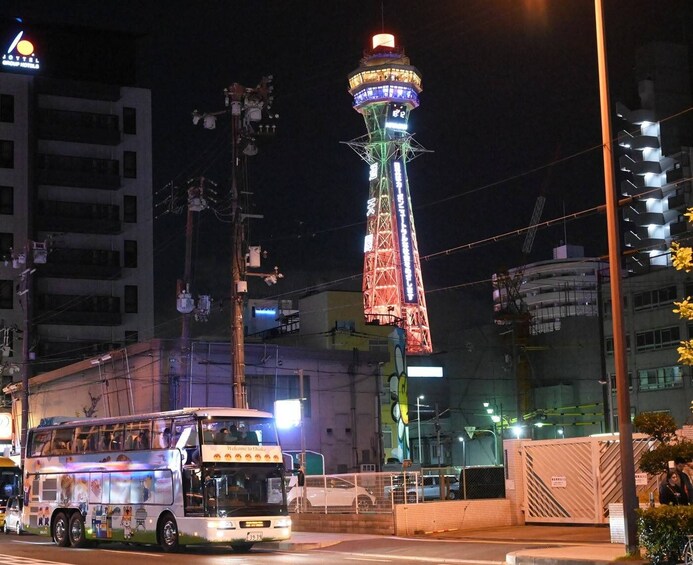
(210, 122)
(196, 117)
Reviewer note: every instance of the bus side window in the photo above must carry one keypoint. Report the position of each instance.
(161, 437)
(40, 443)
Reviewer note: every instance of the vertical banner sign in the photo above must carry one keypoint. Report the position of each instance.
(404, 232)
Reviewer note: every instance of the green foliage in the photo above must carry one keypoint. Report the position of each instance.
(658, 425)
(656, 461)
(662, 532)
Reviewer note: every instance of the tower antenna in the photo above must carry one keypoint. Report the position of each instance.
(382, 16)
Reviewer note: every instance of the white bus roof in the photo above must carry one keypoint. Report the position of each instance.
(202, 412)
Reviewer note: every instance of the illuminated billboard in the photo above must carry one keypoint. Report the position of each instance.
(404, 232)
(20, 54)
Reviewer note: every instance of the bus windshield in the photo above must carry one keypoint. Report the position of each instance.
(250, 489)
(239, 431)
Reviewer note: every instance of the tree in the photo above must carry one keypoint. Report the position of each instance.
(661, 427)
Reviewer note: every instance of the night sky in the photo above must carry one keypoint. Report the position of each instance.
(510, 110)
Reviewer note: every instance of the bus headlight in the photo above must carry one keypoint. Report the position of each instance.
(225, 525)
(283, 522)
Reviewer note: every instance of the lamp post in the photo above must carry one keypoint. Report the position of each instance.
(496, 419)
(418, 424)
(614, 245)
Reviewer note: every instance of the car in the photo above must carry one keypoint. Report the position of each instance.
(13, 515)
(430, 488)
(331, 492)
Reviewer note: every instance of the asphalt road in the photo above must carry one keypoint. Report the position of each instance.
(33, 550)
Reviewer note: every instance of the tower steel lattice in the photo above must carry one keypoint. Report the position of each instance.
(386, 89)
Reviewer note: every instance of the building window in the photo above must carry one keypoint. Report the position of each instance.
(387, 439)
(131, 299)
(6, 245)
(612, 382)
(345, 325)
(660, 378)
(6, 154)
(653, 298)
(6, 108)
(6, 294)
(6, 200)
(129, 120)
(130, 164)
(130, 253)
(606, 307)
(658, 339)
(130, 209)
(131, 337)
(609, 344)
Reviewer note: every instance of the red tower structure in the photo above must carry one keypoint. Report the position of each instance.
(386, 89)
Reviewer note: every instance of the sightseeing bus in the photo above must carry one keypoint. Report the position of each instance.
(185, 477)
(10, 481)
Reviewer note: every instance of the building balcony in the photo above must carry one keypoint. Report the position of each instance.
(99, 264)
(79, 127)
(643, 218)
(79, 172)
(75, 310)
(643, 241)
(627, 163)
(77, 217)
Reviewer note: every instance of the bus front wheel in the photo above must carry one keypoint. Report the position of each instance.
(241, 547)
(60, 530)
(168, 533)
(77, 534)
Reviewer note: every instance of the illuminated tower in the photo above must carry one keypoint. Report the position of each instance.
(386, 88)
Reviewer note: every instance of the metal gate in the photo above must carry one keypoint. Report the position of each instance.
(574, 480)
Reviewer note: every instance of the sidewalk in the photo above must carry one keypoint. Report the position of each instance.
(567, 545)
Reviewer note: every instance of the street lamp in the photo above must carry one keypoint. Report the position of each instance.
(418, 424)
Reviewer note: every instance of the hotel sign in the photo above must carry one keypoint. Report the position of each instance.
(20, 54)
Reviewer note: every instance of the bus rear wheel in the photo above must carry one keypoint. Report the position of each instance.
(77, 534)
(167, 532)
(60, 530)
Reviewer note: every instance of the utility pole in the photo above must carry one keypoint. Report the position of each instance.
(246, 107)
(239, 286)
(25, 293)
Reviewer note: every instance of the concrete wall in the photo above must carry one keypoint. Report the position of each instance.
(411, 519)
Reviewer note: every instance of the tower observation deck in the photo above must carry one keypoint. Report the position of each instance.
(386, 89)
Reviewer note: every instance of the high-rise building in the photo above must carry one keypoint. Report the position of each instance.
(656, 155)
(386, 89)
(76, 277)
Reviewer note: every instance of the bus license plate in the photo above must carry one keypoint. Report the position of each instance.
(254, 536)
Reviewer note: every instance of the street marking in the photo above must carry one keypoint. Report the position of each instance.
(10, 559)
(384, 557)
(125, 551)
